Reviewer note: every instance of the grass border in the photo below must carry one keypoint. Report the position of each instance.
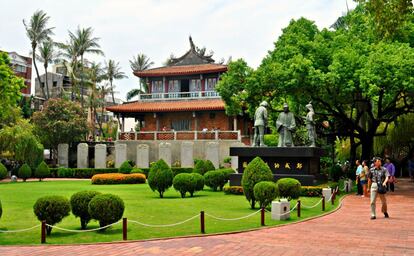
(339, 206)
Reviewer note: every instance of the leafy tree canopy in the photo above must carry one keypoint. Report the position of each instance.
(61, 121)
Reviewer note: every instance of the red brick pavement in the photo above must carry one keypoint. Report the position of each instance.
(349, 231)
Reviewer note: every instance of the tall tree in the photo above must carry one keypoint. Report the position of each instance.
(37, 32)
(113, 72)
(48, 54)
(139, 63)
(85, 43)
(95, 75)
(362, 83)
(10, 86)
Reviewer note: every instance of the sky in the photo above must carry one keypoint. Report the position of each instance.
(238, 28)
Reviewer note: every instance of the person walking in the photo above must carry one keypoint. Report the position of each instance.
(364, 178)
(391, 170)
(358, 178)
(377, 181)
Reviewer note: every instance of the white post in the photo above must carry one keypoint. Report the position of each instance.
(239, 135)
(155, 135)
(216, 135)
(175, 135)
(235, 123)
(195, 135)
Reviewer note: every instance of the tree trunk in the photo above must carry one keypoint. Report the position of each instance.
(46, 82)
(81, 87)
(367, 143)
(112, 92)
(37, 71)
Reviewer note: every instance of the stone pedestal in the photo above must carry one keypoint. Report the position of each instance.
(100, 156)
(82, 155)
(63, 155)
(280, 210)
(187, 159)
(120, 154)
(327, 192)
(164, 152)
(142, 156)
(212, 153)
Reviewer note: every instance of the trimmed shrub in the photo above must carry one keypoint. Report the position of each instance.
(233, 190)
(265, 192)
(63, 172)
(118, 178)
(52, 209)
(125, 167)
(202, 167)
(79, 203)
(288, 188)
(215, 179)
(311, 191)
(160, 177)
(84, 173)
(227, 160)
(227, 172)
(42, 171)
(3, 171)
(106, 208)
(197, 182)
(137, 170)
(25, 172)
(183, 183)
(256, 171)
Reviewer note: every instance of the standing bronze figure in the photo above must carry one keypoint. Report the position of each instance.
(260, 122)
(310, 125)
(285, 125)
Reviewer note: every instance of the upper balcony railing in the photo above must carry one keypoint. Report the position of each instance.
(179, 95)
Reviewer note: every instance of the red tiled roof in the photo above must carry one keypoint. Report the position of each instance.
(182, 70)
(168, 106)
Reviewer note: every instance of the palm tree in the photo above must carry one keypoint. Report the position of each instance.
(139, 63)
(47, 55)
(95, 75)
(85, 43)
(113, 71)
(37, 32)
(70, 54)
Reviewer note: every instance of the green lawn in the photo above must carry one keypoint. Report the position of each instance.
(141, 204)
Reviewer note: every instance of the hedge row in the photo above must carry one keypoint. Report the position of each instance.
(308, 191)
(118, 178)
(175, 170)
(233, 190)
(82, 173)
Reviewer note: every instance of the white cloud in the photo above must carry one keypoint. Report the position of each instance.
(243, 29)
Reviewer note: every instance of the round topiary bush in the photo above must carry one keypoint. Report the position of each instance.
(265, 192)
(183, 183)
(125, 167)
(202, 166)
(106, 208)
(215, 179)
(25, 172)
(288, 188)
(42, 171)
(52, 209)
(3, 171)
(160, 177)
(256, 171)
(79, 203)
(197, 180)
(227, 172)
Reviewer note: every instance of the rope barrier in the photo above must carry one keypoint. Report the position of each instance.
(163, 226)
(83, 231)
(19, 230)
(313, 206)
(225, 219)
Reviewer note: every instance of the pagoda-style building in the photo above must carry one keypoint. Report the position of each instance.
(182, 104)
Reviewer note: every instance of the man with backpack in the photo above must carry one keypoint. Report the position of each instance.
(377, 183)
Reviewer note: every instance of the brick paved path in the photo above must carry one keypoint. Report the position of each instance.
(347, 231)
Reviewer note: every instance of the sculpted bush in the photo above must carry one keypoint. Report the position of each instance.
(79, 203)
(160, 177)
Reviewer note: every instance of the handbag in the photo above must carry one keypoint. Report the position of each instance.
(381, 188)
